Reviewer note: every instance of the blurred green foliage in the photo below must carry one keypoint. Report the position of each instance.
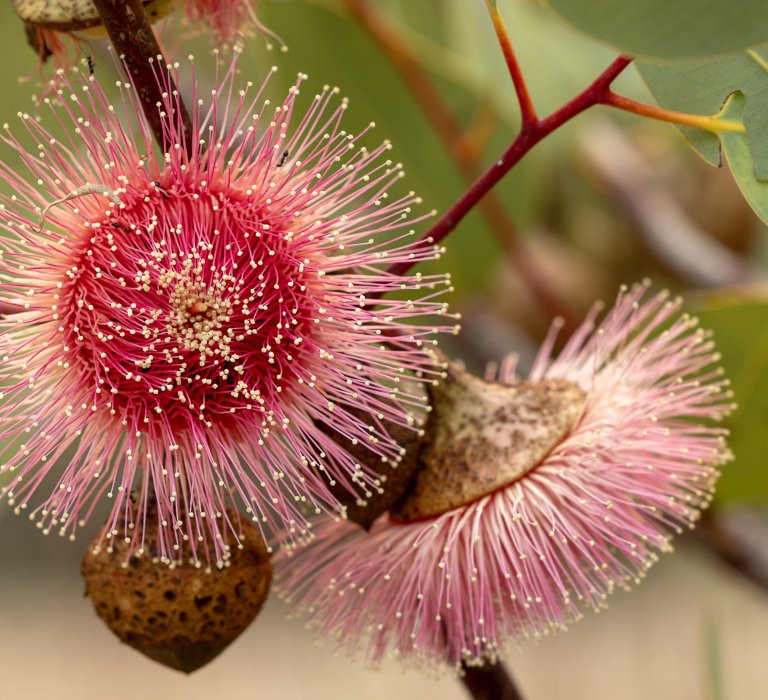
(664, 29)
(739, 321)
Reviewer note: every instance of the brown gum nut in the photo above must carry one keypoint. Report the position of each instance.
(76, 15)
(181, 617)
(482, 436)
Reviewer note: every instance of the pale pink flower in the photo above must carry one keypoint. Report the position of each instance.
(189, 320)
(227, 19)
(637, 467)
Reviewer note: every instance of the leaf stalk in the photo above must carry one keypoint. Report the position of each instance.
(713, 123)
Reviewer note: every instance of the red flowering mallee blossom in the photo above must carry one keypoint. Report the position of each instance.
(638, 465)
(191, 316)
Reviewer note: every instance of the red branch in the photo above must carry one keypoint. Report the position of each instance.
(450, 132)
(527, 109)
(530, 135)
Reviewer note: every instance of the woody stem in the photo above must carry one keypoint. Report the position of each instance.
(450, 132)
(135, 43)
(489, 682)
(527, 108)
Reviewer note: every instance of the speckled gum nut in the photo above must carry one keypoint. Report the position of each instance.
(482, 436)
(79, 15)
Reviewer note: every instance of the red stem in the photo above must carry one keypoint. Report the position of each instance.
(530, 134)
(450, 132)
(527, 108)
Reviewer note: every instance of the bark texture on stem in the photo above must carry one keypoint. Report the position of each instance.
(490, 682)
(135, 43)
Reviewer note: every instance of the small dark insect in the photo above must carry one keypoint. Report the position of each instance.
(160, 189)
(283, 157)
(91, 64)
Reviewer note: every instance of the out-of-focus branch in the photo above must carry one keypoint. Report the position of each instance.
(489, 682)
(408, 66)
(478, 133)
(739, 538)
(450, 132)
(665, 227)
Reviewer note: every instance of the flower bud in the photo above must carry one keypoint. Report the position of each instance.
(181, 616)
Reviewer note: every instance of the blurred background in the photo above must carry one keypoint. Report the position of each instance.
(609, 199)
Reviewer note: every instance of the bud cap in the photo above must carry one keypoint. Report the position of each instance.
(482, 436)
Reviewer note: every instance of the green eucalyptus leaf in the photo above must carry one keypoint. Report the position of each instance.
(737, 85)
(736, 148)
(739, 321)
(669, 29)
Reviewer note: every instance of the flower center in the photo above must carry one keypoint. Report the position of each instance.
(188, 306)
(198, 311)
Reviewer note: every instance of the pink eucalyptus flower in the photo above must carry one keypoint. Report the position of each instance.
(637, 466)
(189, 320)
